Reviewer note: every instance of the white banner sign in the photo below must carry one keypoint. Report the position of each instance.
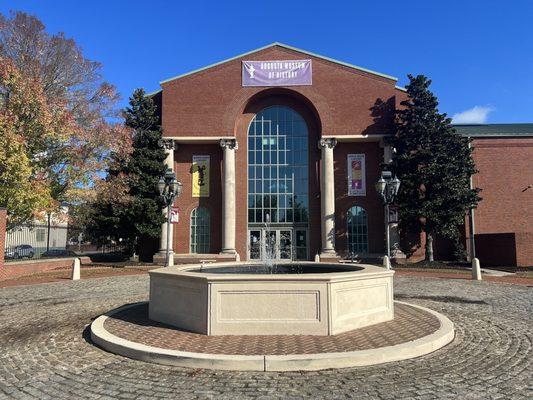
(356, 175)
(174, 215)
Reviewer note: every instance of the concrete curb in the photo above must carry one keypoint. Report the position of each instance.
(294, 362)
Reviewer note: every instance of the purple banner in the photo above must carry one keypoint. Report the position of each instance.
(277, 73)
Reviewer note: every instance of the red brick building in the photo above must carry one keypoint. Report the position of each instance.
(293, 140)
(503, 154)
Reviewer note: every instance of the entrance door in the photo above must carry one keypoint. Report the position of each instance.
(284, 251)
(276, 243)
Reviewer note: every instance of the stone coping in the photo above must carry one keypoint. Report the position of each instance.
(83, 258)
(362, 347)
(358, 271)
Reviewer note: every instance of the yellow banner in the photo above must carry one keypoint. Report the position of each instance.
(200, 176)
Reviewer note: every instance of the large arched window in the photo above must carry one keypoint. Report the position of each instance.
(200, 230)
(278, 167)
(357, 227)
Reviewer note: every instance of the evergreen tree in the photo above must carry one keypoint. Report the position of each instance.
(434, 165)
(128, 208)
(145, 166)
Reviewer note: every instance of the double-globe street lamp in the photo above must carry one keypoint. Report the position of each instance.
(387, 188)
(169, 189)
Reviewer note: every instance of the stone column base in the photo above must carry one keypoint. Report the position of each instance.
(228, 251)
(328, 255)
(161, 256)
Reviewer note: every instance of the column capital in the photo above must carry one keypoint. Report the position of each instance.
(231, 144)
(168, 144)
(327, 142)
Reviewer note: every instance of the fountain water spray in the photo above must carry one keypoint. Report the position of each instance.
(268, 256)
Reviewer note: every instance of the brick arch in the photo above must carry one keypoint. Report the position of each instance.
(302, 105)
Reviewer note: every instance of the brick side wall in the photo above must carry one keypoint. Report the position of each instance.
(505, 166)
(524, 249)
(16, 269)
(3, 222)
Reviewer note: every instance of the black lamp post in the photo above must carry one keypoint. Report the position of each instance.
(387, 188)
(169, 188)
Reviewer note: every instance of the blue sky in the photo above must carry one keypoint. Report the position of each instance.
(479, 54)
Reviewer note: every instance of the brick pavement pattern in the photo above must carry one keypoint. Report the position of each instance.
(409, 324)
(45, 352)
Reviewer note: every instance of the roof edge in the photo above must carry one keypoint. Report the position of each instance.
(286, 47)
(151, 94)
(504, 131)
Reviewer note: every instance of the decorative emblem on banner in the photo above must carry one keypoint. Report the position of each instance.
(174, 215)
(277, 73)
(200, 176)
(356, 175)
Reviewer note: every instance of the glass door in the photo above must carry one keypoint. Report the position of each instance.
(254, 244)
(285, 244)
(276, 244)
(300, 248)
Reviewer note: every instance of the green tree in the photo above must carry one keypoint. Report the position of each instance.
(145, 166)
(127, 207)
(434, 165)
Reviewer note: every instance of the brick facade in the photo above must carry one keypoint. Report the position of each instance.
(503, 218)
(347, 101)
(371, 202)
(186, 203)
(342, 101)
(356, 107)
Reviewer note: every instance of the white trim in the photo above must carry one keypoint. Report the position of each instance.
(198, 139)
(357, 138)
(286, 47)
(401, 88)
(151, 94)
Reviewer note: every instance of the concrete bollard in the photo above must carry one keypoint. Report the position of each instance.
(75, 275)
(476, 270)
(386, 262)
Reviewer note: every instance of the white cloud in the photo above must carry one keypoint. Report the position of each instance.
(475, 115)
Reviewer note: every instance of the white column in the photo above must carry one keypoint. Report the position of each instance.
(327, 197)
(168, 144)
(228, 195)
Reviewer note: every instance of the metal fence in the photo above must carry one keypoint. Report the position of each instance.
(48, 240)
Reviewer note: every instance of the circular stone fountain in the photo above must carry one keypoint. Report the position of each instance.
(252, 299)
(290, 316)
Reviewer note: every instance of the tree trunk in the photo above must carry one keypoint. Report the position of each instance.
(429, 247)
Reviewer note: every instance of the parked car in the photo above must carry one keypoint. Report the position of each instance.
(20, 251)
(58, 253)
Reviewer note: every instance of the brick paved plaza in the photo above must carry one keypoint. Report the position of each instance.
(410, 323)
(45, 353)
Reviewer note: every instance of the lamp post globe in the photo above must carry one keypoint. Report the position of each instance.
(169, 189)
(380, 186)
(387, 188)
(161, 186)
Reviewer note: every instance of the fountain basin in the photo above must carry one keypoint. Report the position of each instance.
(230, 301)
